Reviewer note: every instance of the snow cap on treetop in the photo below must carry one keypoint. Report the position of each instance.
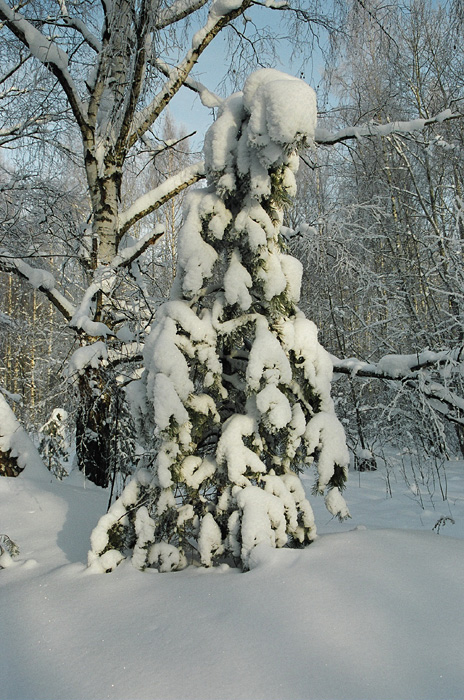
(267, 93)
(273, 130)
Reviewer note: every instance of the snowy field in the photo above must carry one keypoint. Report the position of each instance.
(372, 609)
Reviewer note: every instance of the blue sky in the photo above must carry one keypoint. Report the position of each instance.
(186, 107)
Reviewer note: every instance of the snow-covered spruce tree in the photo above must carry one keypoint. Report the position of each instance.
(236, 390)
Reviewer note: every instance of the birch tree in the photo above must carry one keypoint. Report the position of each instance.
(110, 70)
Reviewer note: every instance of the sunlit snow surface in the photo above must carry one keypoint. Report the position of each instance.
(372, 609)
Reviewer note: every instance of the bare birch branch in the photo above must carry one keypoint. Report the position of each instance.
(202, 39)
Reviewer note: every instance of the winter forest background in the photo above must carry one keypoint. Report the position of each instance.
(153, 335)
(377, 220)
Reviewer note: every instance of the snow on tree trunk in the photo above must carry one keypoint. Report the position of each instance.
(236, 390)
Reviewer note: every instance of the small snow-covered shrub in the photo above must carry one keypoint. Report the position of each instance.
(54, 446)
(8, 551)
(17, 451)
(237, 385)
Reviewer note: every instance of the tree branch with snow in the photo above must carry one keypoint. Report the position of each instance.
(397, 367)
(178, 10)
(324, 138)
(221, 13)
(39, 279)
(155, 198)
(207, 97)
(80, 26)
(412, 371)
(47, 52)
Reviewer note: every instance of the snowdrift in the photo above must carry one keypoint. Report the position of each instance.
(360, 613)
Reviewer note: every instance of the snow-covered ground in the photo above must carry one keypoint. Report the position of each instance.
(372, 609)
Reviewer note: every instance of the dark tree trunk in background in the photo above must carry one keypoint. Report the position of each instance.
(94, 426)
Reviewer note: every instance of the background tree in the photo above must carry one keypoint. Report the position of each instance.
(386, 215)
